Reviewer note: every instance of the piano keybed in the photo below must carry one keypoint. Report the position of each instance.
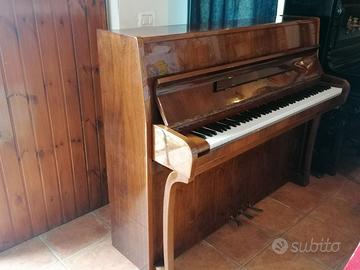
(247, 122)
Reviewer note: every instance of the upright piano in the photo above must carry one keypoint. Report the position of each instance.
(200, 124)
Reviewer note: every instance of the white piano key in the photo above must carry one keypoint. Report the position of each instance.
(271, 118)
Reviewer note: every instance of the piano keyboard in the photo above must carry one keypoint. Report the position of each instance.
(247, 122)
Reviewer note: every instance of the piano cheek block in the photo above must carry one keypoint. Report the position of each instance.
(172, 151)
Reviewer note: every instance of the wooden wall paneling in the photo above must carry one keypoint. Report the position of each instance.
(79, 22)
(6, 228)
(97, 20)
(49, 142)
(27, 33)
(22, 124)
(55, 96)
(12, 185)
(64, 37)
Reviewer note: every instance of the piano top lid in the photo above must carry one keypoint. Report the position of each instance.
(214, 65)
(169, 32)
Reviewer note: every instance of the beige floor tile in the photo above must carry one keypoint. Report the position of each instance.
(310, 230)
(54, 266)
(71, 237)
(269, 260)
(341, 214)
(297, 197)
(104, 213)
(333, 204)
(327, 185)
(32, 254)
(203, 257)
(100, 256)
(350, 192)
(276, 217)
(239, 243)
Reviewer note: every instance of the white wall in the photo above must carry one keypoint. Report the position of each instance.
(124, 13)
(113, 14)
(178, 11)
(281, 6)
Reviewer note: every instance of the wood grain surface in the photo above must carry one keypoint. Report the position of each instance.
(52, 164)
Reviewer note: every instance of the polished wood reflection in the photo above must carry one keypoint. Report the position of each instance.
(168, 190)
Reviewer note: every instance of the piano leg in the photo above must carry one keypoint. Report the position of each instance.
(168, 217)
(303, 178)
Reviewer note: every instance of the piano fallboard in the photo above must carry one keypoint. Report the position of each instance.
(234, 89)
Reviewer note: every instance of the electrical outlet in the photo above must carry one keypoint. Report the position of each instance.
(146, 19)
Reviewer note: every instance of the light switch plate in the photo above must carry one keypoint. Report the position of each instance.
(146, 19)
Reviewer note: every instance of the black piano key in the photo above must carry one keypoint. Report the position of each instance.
(273, 107)
(221, 125)
(224, 125)
(198, 134)
(243, 119)
(212, 129)
(257, 115)
(237, 122)
(247, 118)
(267, 110)
(207, 133)
(227, 122)
(235, 117)
(216, 127)
(214, 132)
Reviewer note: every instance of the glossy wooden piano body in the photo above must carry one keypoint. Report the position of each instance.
(160, 83)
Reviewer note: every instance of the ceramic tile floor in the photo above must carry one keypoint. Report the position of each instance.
(327, 209)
